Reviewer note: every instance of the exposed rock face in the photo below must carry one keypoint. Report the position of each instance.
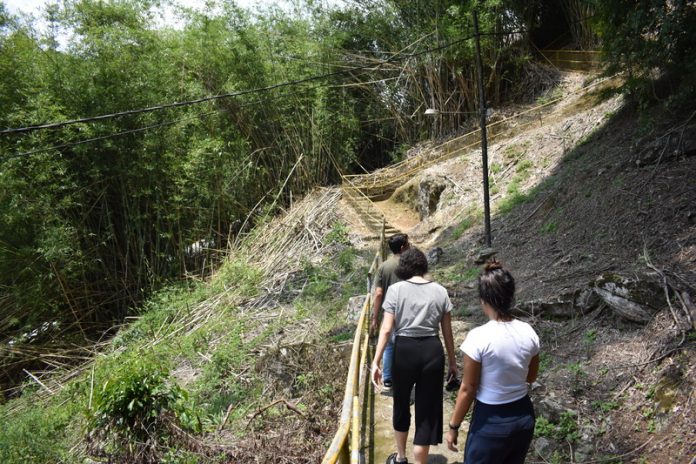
(355, 305)
(551, 409)
(422, 194)
(565, 306)
(676, 145)
(429, 192)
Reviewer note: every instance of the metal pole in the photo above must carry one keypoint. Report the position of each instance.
(484, 143)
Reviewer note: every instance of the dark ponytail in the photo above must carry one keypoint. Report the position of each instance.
(497, 287)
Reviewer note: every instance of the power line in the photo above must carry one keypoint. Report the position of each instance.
(373, 66)
(154, 126)
(108, 136)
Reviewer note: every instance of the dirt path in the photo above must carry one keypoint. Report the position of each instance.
(398, 214)
(383, 433)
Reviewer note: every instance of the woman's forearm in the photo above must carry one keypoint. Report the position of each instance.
(533, 369)
(471, 376)
(446, 325)
(464, 400)
(381, 345)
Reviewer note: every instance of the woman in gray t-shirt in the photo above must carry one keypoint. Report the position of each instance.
(415, 309)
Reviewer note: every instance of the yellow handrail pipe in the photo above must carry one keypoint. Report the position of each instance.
(342, 450)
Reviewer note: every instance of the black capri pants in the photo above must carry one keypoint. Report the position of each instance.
(419, 361)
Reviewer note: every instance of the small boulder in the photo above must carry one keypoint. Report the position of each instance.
(433, 255)
(484, 255)
(551, 409)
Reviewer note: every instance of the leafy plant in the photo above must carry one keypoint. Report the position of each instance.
(565, 429)
(544, 361)
(346, 259)
(590, 336)
(136, 399)
(472, 215)
(337, 235)
(605, 406)
(237, 275)
(524, 166)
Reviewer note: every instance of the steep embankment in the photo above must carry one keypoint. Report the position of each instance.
(248, 367)
(594, 213)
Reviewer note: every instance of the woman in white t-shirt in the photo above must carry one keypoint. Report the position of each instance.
(501, 358)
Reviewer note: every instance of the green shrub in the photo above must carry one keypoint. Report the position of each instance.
(544, 428)
(471, 216)
(605, 406)
(462, 227)
(566, 429)
(338, 234)
(513, 199)
(346, 259)
(138, 399)
(549, 228)
(524, 166)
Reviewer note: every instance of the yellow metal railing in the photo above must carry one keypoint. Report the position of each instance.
(346, 446)
(578, 60)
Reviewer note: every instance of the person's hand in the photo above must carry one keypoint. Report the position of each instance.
(452, 436)
(453, 370)
(376, 375)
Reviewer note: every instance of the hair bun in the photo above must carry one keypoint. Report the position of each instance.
(492, 265)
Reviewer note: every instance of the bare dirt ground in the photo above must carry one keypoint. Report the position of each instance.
(599, 189)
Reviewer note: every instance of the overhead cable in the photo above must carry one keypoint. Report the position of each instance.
(372, 66)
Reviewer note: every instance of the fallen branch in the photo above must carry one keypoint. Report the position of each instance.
(289, 405)
(689, 308)
(37, 381)
(224, 419)
(633, 451)
(665, 287)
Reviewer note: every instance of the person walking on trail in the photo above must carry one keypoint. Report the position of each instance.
(398, 243)
(501, 358)
(414, 308)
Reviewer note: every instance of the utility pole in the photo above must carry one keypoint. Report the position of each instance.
(484, 143)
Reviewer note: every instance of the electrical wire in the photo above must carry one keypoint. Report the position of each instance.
(108, 136)
(156, 126)
(371, 67)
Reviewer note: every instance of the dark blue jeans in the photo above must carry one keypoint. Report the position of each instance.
(500, 433)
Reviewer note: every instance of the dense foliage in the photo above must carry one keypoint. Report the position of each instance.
(654, 41)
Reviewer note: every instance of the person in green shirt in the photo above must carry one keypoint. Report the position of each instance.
(386, 276)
